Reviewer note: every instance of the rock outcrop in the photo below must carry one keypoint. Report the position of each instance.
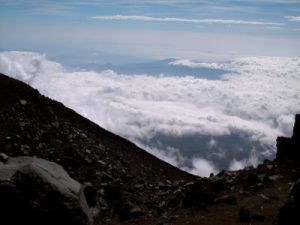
(289, 213)
(35, 191)
(288, 152)
(288, 149)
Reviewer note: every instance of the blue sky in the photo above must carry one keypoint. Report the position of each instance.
(152, 29)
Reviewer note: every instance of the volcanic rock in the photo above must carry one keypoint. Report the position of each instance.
(289, 213)
(198, 194)
(35, 191)
(244, 215)
(288, 149)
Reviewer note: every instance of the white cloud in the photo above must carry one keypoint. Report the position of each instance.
(238, 165)
(212, 143)
(202, 167)
(184, 20)
(293, 18)
(259, 99)
(188, 63)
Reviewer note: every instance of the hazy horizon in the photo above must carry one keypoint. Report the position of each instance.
(132, 31)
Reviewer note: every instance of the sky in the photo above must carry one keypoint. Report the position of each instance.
(136, 30)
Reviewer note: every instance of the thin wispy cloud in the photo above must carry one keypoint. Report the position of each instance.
(185, 20)
(277, 1)
(293, 18)
(273, 28)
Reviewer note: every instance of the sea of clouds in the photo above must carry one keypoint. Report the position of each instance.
(199, 125)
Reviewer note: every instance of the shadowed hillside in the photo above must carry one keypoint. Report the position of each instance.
(129, 185)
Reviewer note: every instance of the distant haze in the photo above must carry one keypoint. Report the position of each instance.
(133, 30)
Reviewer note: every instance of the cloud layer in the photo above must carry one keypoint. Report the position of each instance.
(293, 18)
(257, 100)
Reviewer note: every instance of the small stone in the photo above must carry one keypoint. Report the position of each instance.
(22, 124)
(265, 198)
(55, 124)
(228, 199)
(25, 149)
(269, 167)
(141, 181)
(274, 177)
(252, 179)
(160, 184)
(162, 204)
(112, 192)
(198, 194)
(88, 151)
(256, 186)
(244, 215)
(261, 177)
(169, 182)
(23, 102)
(3, 157)
(258, 217)
(127, 210)
(275, 197)
(138, 186)
(83, 135)
(102, 163)
(103, 204)
(126, 178)
(107, 177)
(267, 182)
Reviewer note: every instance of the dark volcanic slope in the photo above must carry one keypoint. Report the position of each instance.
(135, 187)
(50, 129)
(34, 125)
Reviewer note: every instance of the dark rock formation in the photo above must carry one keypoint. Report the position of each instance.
(288, 152)
(198, 194)
(284, 149)
(126, 209)
(296, 137)
(296, 131)
(288, 149)
(35, 191)
(289, 213)
(244, 215)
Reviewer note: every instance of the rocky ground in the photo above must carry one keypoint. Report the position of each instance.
(134, 187)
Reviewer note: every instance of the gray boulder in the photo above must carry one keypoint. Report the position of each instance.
(289, 213)
(36, 191)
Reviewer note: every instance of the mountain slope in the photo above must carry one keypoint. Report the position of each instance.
(133, 186)
(14, 94)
